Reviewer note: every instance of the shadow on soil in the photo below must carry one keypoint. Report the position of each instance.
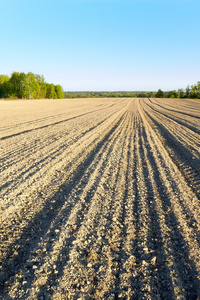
(185, 267)
(38, 226)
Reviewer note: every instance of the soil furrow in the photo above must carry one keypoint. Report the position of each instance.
(100, 199)
(183, 156)
(87, 218)
(177, 240)
(51, 207)
(178, 218)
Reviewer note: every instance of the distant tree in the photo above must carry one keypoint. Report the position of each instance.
(173, 94)
(141, 95)
(23, 86)
(51, 93)
(180, 93)
(159, 94)
(194, 93)
(198, 88)
(42, 86)
(32, 87)
(4, 86)
(15, 85)
(187, 91)
(152, 94)
(59, 92)
(28, 86)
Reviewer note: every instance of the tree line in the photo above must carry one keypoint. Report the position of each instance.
(28, 86)
(33, 86)
(192, 91)
(108, 94)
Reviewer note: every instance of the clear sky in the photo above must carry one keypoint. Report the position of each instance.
(110, 45)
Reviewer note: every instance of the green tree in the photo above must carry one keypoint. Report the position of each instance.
(159, 94)
(194, 93)
(173, 94)
(180, 93)
(59, 92)
(28, 86)
(51, 93)
(4, 86)
(14, 85)
(198, 89)
(187, 91)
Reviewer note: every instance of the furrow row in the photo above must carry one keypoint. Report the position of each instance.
(59, 203)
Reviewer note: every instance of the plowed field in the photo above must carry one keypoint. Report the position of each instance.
(100, 199)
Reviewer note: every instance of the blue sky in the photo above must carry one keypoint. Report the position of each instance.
(103, 44)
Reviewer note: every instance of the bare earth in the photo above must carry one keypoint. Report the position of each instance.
(100, 199)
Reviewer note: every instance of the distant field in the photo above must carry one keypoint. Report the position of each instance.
(100, 199)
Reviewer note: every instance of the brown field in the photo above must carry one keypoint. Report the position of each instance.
(100, 199)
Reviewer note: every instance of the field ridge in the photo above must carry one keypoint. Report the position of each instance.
(100, 199)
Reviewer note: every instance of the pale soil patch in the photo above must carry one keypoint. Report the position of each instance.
(100, 199)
